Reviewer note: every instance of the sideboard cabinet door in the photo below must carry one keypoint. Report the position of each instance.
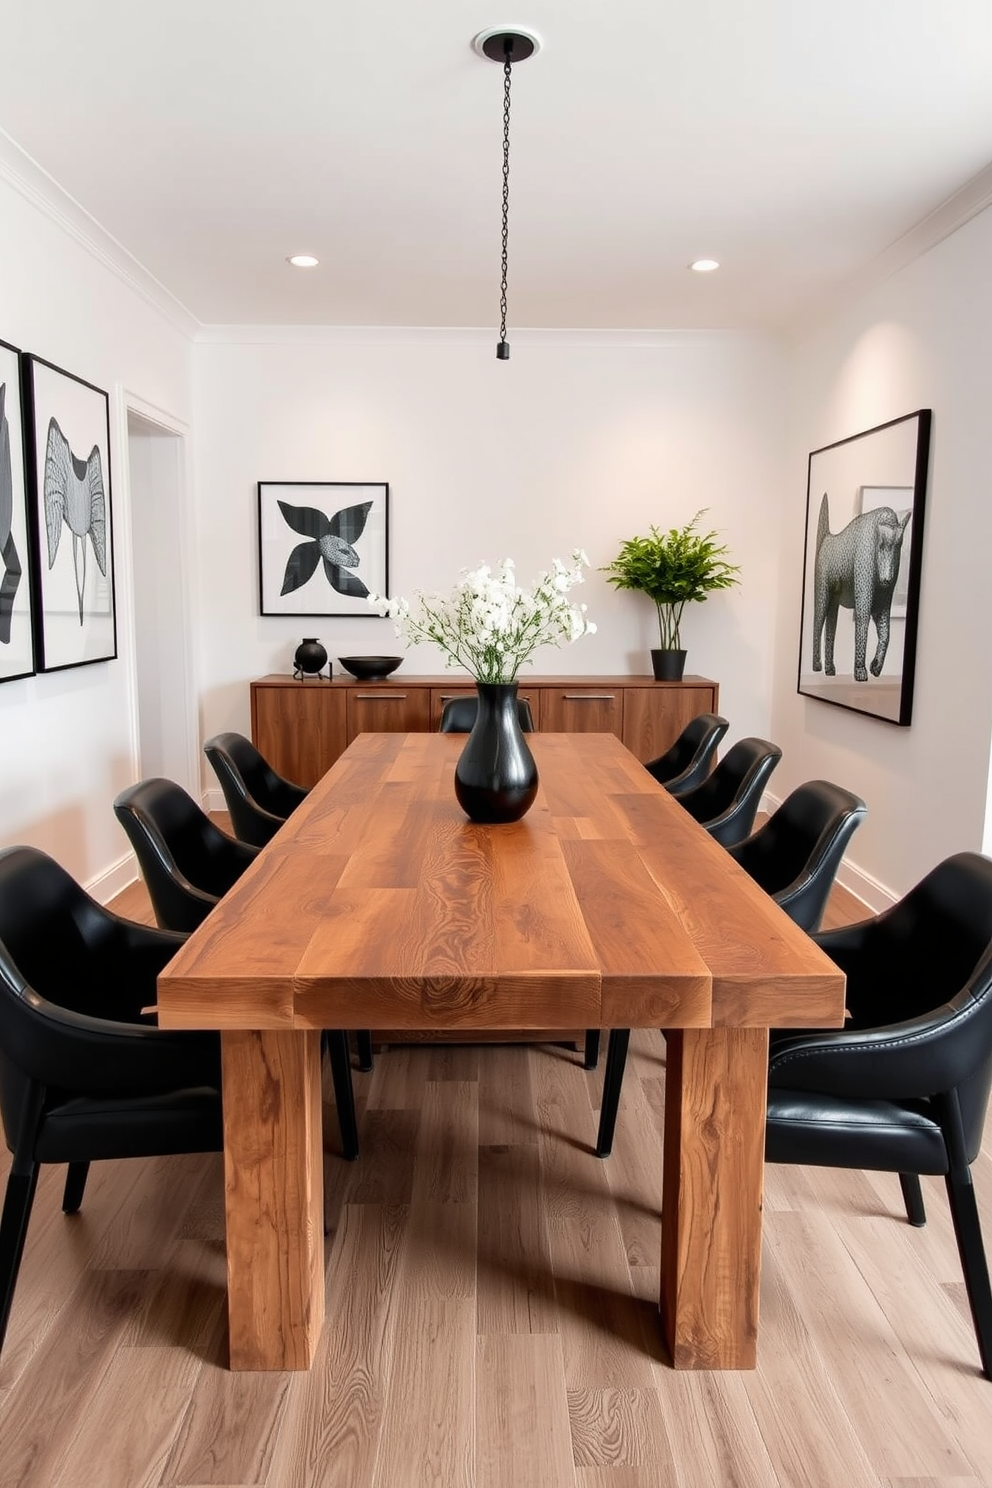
(299, 728)
(582, 710)
(653, 717)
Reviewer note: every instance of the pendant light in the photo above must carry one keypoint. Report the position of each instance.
(507, 47)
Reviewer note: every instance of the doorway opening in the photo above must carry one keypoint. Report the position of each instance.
(163, 671)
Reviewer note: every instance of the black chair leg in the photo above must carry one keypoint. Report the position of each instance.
(592, 1049)
(616, 1059)
(336, 1043)
(75, 1183)
(363, 1046)
(968, 1230)
(912, 1195)
(13, 1230)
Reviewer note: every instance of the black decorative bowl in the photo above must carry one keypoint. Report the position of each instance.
(370, 668)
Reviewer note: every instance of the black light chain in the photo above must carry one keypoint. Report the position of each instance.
(508, 51)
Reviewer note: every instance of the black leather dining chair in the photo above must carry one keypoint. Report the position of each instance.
(258, 799)
(84, 1074)
(727, 801)
(794, 856)
(459, 713)
(188, 864)
(904, 1086)
(687, 763)
(796, 853)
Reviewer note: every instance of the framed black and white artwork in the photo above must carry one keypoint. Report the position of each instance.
(68, 423)
(323, 546)
(865, 499)
(16, 632)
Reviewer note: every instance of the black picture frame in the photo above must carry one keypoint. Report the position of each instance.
(303, 527)
(67, 434)
(16, 609)
(862, 564)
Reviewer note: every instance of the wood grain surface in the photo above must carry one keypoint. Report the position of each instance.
(378, 904)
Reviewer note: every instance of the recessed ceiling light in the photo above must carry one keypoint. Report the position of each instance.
(704, 265)
(303, 260)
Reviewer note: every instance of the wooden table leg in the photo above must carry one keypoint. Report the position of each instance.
(273, 1173)
(715, 1097)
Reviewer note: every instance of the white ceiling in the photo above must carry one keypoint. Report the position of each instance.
(794, 140)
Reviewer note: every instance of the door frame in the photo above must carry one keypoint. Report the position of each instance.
(129, 403)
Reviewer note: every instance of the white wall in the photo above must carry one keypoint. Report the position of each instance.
(923, 339)
(67, 738)
(577, 441)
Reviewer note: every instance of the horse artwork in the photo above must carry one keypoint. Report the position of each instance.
(857, 568)
(862, 565)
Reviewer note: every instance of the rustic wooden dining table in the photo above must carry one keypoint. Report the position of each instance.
(378, 905)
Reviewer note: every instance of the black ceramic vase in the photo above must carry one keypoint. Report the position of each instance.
(310, 658)
(496, 777)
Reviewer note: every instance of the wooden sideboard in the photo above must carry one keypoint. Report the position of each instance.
(302, 727)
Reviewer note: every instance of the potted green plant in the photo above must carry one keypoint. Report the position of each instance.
(672, 568)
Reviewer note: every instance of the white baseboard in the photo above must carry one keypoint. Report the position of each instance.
(857, 881)
(120, 875)
(115, 880)
(866, 888)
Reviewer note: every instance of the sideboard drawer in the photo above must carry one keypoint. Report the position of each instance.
(582, 710)
(374, 709)
(442, 695)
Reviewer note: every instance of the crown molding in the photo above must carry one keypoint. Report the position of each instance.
(44, 193)
(332, 335)
(955, 212)
(968, 202)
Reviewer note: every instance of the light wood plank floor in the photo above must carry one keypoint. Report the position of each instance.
(491, 1313)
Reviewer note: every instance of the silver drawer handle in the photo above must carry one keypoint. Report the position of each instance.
(381, 697)
(589, 697)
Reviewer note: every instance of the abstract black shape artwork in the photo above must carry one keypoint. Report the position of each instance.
(16, 627)
(8, 548)
(344, 555)
(331, 539)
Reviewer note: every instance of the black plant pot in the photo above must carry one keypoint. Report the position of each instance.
(496, 777)
(668, 666)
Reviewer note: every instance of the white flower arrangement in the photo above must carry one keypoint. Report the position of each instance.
(489, 625)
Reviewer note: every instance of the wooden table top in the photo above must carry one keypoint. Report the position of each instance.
(379, 905)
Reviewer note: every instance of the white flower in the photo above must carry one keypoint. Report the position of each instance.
(487, 624)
